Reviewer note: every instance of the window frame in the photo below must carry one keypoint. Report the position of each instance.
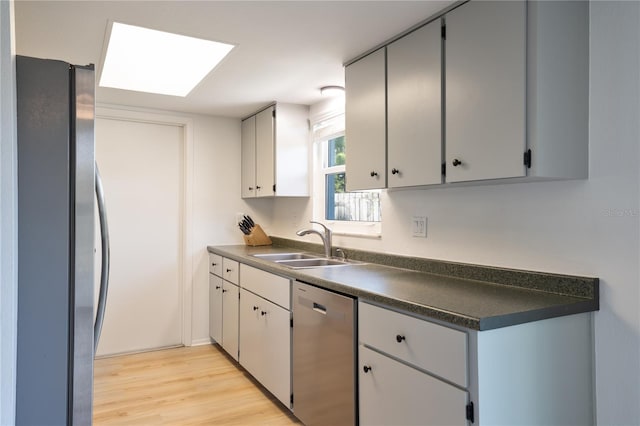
(320, 171)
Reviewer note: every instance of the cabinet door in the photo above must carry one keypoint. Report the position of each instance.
(215, 308)
(485, 91)
(265, 344)
(265, 149)
(230, 270)
(230, 305)
(414, 102)
(215, 264)
(249, 157)
(392, 393)
(365, 121)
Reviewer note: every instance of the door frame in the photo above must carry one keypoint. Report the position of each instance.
(140, 115)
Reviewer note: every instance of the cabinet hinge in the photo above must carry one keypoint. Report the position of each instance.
(273, 113)
(274, 187)
(443, 169)
(469, 412)
(444, 32)
(291, 399)
(527, 158)
(291, 322)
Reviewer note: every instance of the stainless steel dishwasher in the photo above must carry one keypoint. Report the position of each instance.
(324, 356)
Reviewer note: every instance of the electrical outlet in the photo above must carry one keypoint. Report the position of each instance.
(419, 226)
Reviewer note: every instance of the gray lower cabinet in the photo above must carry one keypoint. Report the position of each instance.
(265, 344)
(413, 371)
(224, 303)
(230, 320)
(215, 308)
(265, 330)
(394, 393)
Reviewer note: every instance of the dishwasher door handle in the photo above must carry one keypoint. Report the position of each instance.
(319, 308)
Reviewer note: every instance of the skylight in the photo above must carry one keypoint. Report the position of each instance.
(154, 61)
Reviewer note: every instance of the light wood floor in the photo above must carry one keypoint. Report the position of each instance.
(181, 386)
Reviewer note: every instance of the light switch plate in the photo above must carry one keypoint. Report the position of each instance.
(419, 226)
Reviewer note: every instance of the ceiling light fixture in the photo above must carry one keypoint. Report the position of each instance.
(152, 61)
(332, 90)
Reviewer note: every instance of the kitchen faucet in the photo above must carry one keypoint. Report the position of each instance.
(326, 238)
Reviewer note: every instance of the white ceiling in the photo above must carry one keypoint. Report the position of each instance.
(285, 50)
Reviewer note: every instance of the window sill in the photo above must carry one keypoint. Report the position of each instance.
(357, 235)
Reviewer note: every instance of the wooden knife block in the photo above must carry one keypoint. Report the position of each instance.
(257, 237)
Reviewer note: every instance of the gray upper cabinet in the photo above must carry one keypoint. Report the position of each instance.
(558, 89)
(365, 116)
(249, 157)
(275, 147)
(485, 91)
(414, 102)
(265, 160)
(514, 103)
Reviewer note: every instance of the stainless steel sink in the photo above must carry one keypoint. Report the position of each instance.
(305, 260)
(315, 263)
(276, 257)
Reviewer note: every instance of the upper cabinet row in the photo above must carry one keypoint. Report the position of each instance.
(491, 90)
(275, 152)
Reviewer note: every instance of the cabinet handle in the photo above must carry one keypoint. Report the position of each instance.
(214, 264)
(374, 174)
(258, 187)
(251, 188)
(255, 308)
(229, 270)
(263, 313)
(224, 290)
(217, 287)
(395, 171)
(399, 338)
(366, 368)
(456, 162)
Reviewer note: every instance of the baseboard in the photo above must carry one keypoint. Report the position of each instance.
(201, 342)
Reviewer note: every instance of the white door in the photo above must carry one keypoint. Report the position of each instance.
(142, 171)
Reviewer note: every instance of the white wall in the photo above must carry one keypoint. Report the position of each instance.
(216, 200)
(8, 216)
(588, 227)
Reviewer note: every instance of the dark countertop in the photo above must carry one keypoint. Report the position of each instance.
(463, 300)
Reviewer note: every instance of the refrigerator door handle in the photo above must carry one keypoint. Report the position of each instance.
(104, 273)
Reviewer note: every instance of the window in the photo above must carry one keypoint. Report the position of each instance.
(352, 213)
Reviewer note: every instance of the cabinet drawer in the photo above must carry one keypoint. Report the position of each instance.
(230, 269)
(272, 287)
(215, 264)
(432, 347)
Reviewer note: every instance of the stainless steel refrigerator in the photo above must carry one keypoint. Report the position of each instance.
(56, 243)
